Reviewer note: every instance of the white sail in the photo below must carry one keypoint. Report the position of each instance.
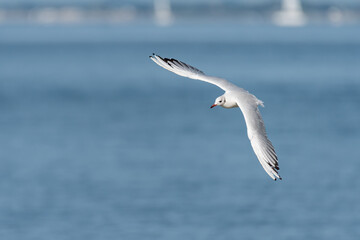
(162, 12)
(291, 14)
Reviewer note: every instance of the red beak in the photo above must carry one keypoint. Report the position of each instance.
(214, 105)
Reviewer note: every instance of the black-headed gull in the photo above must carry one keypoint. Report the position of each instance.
(234, 97)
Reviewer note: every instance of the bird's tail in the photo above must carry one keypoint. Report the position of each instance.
(258, 101)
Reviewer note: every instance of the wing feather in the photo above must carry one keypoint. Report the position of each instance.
(262, 146)
(186, 70)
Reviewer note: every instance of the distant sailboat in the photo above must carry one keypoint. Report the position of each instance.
(291, 14)
(162, 12)
(335, 16)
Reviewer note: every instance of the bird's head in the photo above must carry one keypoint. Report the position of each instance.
(219, 101)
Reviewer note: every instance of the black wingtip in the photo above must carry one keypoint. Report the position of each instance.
(280, 178)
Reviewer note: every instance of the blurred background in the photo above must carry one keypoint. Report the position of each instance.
(98, 142)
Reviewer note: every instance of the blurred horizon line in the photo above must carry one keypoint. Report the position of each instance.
(122, 13)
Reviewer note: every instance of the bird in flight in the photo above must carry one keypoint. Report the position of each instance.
(234, 96)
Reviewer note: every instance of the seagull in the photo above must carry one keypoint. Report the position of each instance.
(234, 96)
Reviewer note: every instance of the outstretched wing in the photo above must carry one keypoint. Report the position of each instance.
(261, 145)
(185, 70)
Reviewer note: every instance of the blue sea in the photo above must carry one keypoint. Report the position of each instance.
(98, 142)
